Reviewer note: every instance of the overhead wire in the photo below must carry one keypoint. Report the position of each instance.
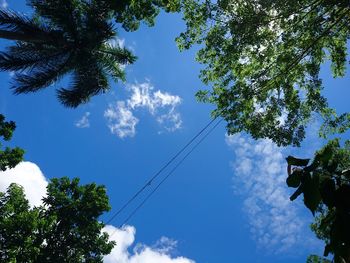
(167, 176)
(149, 181)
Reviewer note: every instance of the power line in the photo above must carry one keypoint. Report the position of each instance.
(168, 175)
(149, 182)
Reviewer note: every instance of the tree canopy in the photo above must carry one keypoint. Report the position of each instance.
(64, 229)
(129, 13)
(263, 60)
(74, 38)
(9, 157)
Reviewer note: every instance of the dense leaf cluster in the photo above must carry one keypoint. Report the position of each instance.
(129, 13)
(64, 229)
(263, 60)
(325, 185)
(9, 157)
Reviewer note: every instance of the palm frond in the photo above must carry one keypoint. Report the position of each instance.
(35, 80)
(112, 67)
(28, 61)
(65, 36)
(65, 15)
(87, 82)
(96, 31)
(15, 22)
(37, 49)
(120, 55)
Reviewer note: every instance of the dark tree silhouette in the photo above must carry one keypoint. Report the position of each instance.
(63, 38)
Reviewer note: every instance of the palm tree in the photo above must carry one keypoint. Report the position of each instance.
(64, 37)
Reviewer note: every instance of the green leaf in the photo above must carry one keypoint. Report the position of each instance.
(312, 195)
(296, 161)
(298, 192)
(294, 179)
(327, 191)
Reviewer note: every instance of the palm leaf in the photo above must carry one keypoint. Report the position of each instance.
(27, 60)
(62, 14)
(88, 81)
(40, 78)
(38, 49)
(16, 23)
(114, 59)
(121, 55)
(65, 36)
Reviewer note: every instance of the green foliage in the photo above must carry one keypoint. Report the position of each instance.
(334, 124)
(325, 184)
(263, 60)
(17, 222)
(9, 158)
(129, 13)
(296, 161)
(63, 38)
(64, 229)
(317, 259)
(72, 37)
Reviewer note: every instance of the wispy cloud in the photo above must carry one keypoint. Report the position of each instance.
(259, 176)
(121, 120)
(161, 105)
(84, 122)
(34, 182)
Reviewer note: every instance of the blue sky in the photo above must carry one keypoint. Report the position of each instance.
(222, 205)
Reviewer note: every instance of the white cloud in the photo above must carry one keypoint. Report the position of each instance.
(121, 120)
(125, 237)
(4, 4)
(29, 176)
(259, 175)
(161, 105)
(84, 122)
(170, 121)
(165, 245)
(142, 95)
